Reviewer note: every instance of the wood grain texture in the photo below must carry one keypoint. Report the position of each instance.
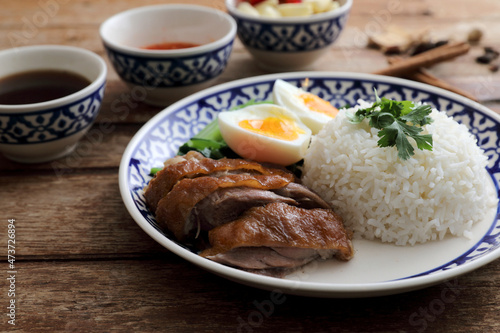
(165, 294)
(76, 213)
(85, 266)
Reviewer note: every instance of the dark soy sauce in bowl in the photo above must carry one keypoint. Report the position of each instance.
(39, 86)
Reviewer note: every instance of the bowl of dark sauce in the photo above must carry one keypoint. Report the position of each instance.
(39, 86)
(49, 97)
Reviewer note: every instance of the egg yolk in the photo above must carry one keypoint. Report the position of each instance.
(317, 104)
(278, 128)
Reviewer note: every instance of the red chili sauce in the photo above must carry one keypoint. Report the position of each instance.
(170, 46)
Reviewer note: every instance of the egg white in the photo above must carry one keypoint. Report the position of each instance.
(288, 96)
(259, 147)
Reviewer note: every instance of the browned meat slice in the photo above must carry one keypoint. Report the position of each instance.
(175, 209)
(192, 165)
(304, 196)
(262, 258)
(227, 204)
(243, 214)
(285, 229)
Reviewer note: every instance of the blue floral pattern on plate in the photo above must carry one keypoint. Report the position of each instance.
(175, 72)
(53, 124)
(180, 122)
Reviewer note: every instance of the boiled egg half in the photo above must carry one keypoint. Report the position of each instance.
(312, 110)
(265, 133)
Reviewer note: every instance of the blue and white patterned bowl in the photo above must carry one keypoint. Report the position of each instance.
(292, 43)
(164, 76)
(40, 132)
(392, 268)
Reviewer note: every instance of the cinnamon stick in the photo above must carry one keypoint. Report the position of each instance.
(423, 76)
(425, 59)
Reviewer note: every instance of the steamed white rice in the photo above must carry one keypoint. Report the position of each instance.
(434, 193)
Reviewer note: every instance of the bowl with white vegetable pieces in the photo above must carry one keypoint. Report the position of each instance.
(285, 35)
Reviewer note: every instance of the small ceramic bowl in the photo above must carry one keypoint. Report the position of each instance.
(44, 131)
(164, 76)
(289, 43)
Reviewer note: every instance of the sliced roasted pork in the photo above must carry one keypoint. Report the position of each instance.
(266, 260)
(244, 214)
(227, 204)
(279, 236)
(175, 209)
(304, 197)
(192, 165)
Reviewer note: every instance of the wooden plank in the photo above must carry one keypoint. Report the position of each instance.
(70, 215)
(122, 104)
(63, 14)
(101, 147)
(170, 295)
(354, 35)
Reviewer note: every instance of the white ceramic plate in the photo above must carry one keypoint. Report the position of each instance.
(377, 268)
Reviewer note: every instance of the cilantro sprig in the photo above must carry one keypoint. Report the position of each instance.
(396, 121)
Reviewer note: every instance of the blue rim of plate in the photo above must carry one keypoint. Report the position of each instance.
(190, 114)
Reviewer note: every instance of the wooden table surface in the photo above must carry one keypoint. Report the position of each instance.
(83, 265)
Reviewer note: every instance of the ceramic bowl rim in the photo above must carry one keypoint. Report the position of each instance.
(95, 85)
(158, 54)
